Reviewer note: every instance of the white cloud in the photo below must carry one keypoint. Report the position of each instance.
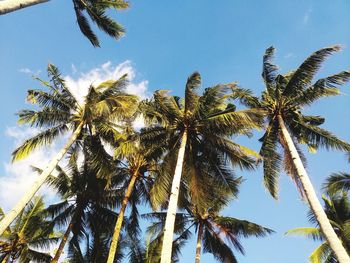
(79, 86)
(29, 71)
(19, 175)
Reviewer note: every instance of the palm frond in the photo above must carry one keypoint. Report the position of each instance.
(303, 76)
(43, 138)
(191, 97)
(337, 182)
(213, 244)
(309, 232)
(269, 72)
(271, 159)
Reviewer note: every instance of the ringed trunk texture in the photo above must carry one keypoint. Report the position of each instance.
(172, 207)
(14, 212)
(8, 6)
(313, 201)
(199, 244)
(119, 223)
(62, 244)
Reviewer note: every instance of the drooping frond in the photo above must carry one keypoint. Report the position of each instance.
(318, 137)
(213, 244)
(322, 254)
(85, 27)
(43, 138)
(309, 232)
(96, 10)
(269, 71)
(271, 159)
(337, 182)
(237, 227)
(304, 75)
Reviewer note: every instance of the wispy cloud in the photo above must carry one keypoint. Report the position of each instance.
(307, 14)
(80, 85)
(19, 175)
(29, 71)
(288, 55)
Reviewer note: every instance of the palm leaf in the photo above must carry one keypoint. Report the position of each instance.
(303, 76)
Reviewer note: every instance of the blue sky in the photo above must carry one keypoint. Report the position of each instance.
(165, 42)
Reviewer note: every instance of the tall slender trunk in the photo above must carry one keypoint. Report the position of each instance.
(14, 212)
(172, 207)
(199, 243)
(311, 196)
(7, 6)
(5, 258)
(118, 225)
(63, 243)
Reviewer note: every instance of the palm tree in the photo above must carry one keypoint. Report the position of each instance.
(139, 161)
(95, 10)
(338, 182)
(195, 126)
(31, 231)
(59, 113)
(337, 208)
(216, 233)
(87, 205)
(283, 100)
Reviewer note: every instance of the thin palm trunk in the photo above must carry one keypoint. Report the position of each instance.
(172, 207)
(7, 6)
(5, 258)
(311, 196)
(14, 212)
(63, 243)
(199, 243)
(118, 225)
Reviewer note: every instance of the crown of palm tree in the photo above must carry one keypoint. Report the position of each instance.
(337, 208)
(219, 233)
(210, 120)
(60, 112)
(87, 204)
(29, 234)
(286, 96)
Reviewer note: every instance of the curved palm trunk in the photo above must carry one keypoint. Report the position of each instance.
(7, 6)
(62, 244)
(313, 201)
(172, 207)
(14, 212)
(199, 243)
(118, 225)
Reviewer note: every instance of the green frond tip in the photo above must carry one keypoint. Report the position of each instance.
(311, 232)
(96, 11)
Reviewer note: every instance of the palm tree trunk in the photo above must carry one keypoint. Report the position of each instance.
(14, 212)
(311, 196)
(63, 243)
(5, 258)
(7, 6)
(118, 225)
(199, 243)
(172, 207)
